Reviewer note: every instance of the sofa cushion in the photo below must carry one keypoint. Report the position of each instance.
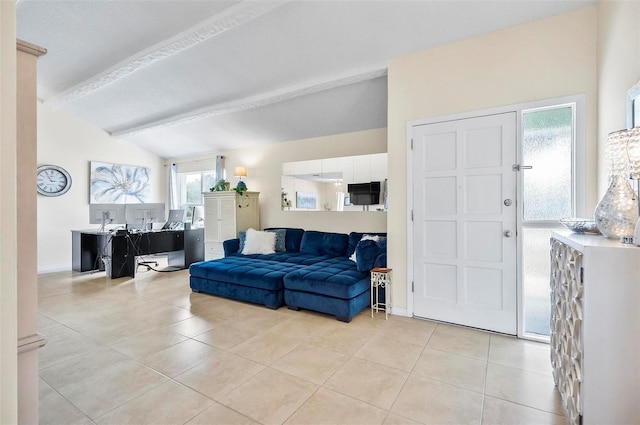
(336, 277)
(367, 252)
(292, 238)
(237, 269)
(354, 238)
(324, 243)
(291, 257)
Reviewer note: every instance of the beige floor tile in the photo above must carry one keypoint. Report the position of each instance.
(225, 337)
(219, 375)
(44, 323)
(520, 354)
(219, 414)
(314, 364)
(100, 381)
(367, 381)
(265, 348)
(180, 357)
(270, 397)
(462, 341)
(195, 325)
(257, 320)
(342, 338)
(397, 354)
(433, 402)
(53, 409)
(409, 330)
(302, 347)
(457, 370)
(330, 408)
(161, 314)
(303, 328)
(500, 412)
(64, 344)
(148, 343)
(170, 403)
(523, 387)
(393, 419)
(110, 329)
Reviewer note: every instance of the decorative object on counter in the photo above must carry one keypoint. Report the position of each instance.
(580, 225)
(284, 201)
(220, 186)
(617, 212)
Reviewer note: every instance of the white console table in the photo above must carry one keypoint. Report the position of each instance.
(595, 335)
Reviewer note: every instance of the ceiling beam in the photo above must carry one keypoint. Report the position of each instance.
(233, 17)
(351, 77)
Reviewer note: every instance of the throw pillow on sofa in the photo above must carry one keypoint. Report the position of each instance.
(281, 235)
(354, 256)
(258, 242)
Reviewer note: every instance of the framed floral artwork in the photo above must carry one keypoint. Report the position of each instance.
(308, 201)
(118, 184)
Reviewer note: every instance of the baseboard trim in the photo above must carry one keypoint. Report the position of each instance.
(400, 311)
(54, 269)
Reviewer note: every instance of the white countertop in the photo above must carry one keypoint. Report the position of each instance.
(581, 240)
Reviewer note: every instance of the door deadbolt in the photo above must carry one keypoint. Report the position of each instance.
(508, 202)
(507, 233)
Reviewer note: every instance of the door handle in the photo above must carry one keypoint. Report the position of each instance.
(508, 202)
(507, 233)
(518, 167)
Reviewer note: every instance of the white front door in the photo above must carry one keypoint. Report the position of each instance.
(464, 227)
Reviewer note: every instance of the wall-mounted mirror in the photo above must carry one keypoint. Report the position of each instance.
(350, 183)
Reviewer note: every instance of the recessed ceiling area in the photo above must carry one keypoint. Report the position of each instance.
(181, 78)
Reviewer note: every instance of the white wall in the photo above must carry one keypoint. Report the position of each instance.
(544, 59)
(264, 171)
(618, 70)
(8, 221)
(71, 143)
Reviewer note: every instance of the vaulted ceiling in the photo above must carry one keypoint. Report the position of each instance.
(181, 78)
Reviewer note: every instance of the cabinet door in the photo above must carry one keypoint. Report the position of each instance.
(227, 219)
(212, 218)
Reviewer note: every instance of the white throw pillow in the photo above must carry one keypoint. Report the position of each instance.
(258, 242)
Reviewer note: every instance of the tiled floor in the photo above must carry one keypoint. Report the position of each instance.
(149, 351)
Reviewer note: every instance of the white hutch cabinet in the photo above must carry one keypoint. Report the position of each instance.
(595, 328)
(225, 215)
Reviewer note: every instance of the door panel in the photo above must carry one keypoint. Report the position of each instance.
(464, 234)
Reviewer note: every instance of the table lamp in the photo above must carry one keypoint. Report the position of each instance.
(240, 172)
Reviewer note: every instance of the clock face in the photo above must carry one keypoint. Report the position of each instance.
(53, 180)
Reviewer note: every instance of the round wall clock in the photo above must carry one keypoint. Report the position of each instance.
(53, 180)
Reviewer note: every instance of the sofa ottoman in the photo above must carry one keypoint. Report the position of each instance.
(257, 281)
(332, 286)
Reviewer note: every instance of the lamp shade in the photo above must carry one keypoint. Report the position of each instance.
(240, 172)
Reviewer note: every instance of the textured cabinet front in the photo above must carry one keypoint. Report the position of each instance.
(225, 215)
(595, 328)
(566, 326)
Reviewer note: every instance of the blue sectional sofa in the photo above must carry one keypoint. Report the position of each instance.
(313, 272)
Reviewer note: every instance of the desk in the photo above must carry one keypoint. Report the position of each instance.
(119, 250)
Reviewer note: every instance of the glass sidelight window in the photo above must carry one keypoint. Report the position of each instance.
(548, 146)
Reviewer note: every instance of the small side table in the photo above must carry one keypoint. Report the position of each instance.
(381, 278)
